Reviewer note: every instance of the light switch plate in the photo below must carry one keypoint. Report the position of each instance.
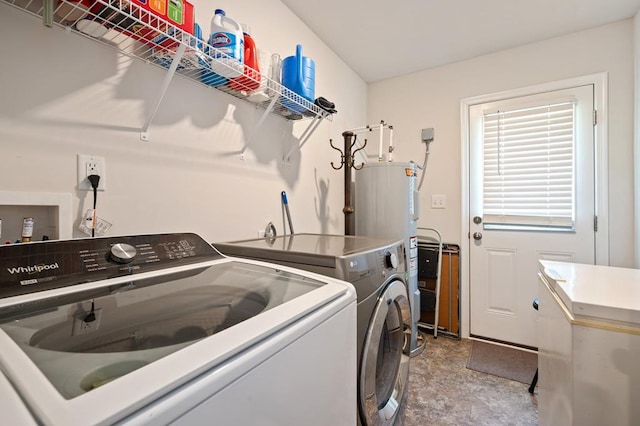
(438, 201)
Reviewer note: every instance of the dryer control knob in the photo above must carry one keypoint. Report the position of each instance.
(391, 260)
(122, 253)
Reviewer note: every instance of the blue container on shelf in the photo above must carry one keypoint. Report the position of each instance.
(299, 76)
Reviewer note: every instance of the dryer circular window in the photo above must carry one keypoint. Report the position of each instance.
(384, 367)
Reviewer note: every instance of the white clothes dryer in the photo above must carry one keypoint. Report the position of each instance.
(159, 329)
(377, 269)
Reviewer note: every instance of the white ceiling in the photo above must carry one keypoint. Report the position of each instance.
(381, 39)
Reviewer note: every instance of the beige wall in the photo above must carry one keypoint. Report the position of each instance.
(65, 95)
(431, 98)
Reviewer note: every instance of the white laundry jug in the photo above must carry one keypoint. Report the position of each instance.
(228, 42)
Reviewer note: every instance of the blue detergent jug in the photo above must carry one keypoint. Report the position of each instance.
(299, 75)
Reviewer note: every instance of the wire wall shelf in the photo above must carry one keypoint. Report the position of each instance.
(137, 33)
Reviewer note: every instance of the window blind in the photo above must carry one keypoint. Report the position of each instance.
(529, 166)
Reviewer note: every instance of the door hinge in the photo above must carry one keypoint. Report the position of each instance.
(595, 117)
(595, 223)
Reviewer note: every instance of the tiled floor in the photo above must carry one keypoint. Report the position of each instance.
(442, 391)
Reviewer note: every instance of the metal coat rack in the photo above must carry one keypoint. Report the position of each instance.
(347, 160)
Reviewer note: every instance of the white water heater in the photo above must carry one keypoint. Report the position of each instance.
(386, 205)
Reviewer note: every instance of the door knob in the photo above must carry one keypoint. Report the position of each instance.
(477, 236)
(477, 220)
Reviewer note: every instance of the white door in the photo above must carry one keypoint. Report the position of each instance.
(531, 197)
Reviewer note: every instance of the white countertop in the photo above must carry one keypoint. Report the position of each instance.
(599, 292)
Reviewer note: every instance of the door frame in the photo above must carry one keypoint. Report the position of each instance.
(601, 172)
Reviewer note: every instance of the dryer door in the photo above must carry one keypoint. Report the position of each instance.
(385, 363)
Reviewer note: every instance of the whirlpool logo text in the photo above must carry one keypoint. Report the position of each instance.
(33, 269)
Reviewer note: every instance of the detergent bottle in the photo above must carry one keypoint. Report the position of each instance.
(250, 80)
(198, 60)
(227, 41)
(203, 63)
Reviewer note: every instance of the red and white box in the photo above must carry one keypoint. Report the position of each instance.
(154, 22)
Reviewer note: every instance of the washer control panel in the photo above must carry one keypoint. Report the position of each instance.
(384, 261)
(31, 267)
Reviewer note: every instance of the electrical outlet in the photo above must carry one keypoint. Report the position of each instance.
(80, 326)
(91, 165)
(438, 201)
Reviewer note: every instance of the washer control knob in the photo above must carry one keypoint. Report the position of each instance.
(122, 253)
(391, 260)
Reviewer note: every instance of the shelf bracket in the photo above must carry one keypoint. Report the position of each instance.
(313, 125)
(47, 13)
(265, 114)
(144, 135)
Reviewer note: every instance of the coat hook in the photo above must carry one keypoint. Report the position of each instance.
(349, 158)
(341, 156)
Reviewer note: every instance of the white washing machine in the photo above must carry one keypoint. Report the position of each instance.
(159, 329)
(376, 268)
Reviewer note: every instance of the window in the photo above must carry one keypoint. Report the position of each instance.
(529, 166)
